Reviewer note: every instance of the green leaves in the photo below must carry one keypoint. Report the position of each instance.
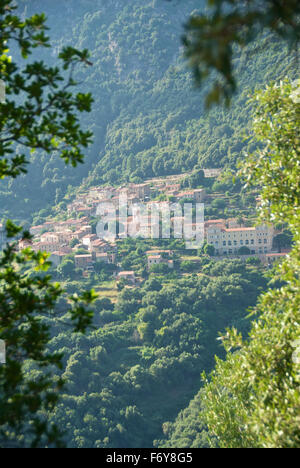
(27, 298)
(252, 399)
(29, 33)
(11, 229)
(276, 168)
(212, 38)
(48, 117)
(80, 316)
(71, 56)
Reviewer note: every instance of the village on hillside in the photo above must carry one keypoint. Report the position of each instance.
(76, 235)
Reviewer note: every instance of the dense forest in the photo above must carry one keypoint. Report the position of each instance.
(147, 119)
(142, 364)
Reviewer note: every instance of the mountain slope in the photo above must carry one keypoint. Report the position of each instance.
(147, 118)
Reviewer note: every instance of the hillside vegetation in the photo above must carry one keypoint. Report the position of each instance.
(142, 364)
(147, 119)
(134, 380)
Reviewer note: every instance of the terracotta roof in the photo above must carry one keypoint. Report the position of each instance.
(149, 252)
(240, 229)
(215, 221)
(99, 242)
(184, 194)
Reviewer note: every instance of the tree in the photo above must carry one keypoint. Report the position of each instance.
(153, 284)
(282, 240)
(74, 242)
(219, 203)
(209, 250)
(252, 399)
(104, 304)
(212, 37)
(161, 268)
(67, 268)
(47, 119)
(244, 250)
(196, 179)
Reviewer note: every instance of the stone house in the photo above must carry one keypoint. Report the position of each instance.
(127, 276)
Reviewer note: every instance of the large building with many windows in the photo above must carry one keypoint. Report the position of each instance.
(257, 239)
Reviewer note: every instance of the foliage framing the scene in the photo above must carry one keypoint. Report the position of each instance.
(38, 111)
(252, 399)
(212, 37)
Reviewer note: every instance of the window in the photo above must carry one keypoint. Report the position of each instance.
(242, 242)
(247, 242)
(224, 242)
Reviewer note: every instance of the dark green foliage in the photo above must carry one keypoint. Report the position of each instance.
(27, 302)
(212, 37)
(143, 365)
(187, 431)
(45, 117)
(252, 398)
(244, 251)
(283, 241)
(146, 119)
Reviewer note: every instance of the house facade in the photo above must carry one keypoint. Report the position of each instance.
(199, 195)
(158, 260)
(158, 257)
(57, 257)
(257, 239)
(83, 261)
(127, 276)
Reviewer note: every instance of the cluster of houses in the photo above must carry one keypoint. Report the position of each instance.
(155, 257)
(62, 238)
(87, 203)
(158, 257)
(136, 221)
